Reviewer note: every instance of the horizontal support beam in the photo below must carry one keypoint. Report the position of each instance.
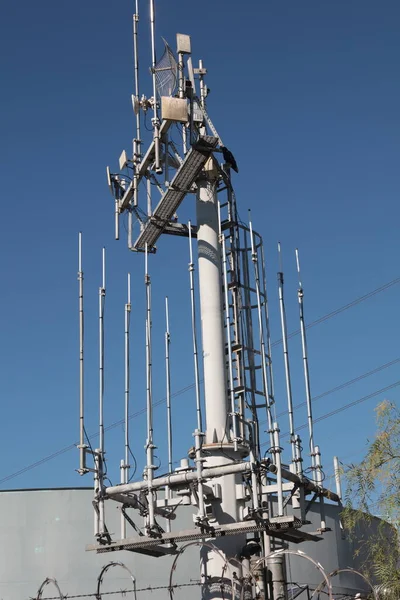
(284, 529)
(187, 477)
(178, 479)
(308, 485)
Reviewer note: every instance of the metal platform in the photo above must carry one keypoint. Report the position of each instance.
(180, 185)
(286, 528)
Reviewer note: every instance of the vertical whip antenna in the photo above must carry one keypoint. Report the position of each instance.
(169, 413)
(198, 433)
(127, 377)
(319, 480)
(116, 219)
(337, 476)
(194, 332)
(300, 296)
(100, 525)
(155, 120)
(148, 192)
(168, 385)
(82, 446)
(136, 150)
(268, 330)
(149, 400)
(203, 92)
(102, 298)
(130, 228)
(234, 412)
(137, 153)
(266, 382)
(125, 466)
(286, 355)
(278, 462)
(181, 93)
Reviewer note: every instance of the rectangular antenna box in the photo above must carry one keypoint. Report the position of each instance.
(183, 45)
(123, 160)
(174, 109)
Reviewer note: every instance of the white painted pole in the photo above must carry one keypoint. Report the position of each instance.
(337, 476)
(82, 446)
(123, 480)
(220, 448)
(211, 310)
(277, 452)
(319, 478)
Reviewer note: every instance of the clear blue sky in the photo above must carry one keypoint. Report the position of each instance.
(307, 96)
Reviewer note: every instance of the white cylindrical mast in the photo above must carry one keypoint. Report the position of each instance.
(211, 310)
(218, 445)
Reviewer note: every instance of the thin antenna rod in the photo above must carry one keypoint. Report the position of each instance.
(102, 298)
(234, 412)
(337, 472)
(168, 384)
(181, 83)
(286, 355)
(116, 219)
(168, 494)
(82, 445)
(137, 151)
(148, 191)
(319, 481)
(277, 451)
(266, 383)
(155, 121)
(268, 330)
(136, 155)
(202, 86)
(194, 333)
(99, 459)
(127, 377)
(130, 227)
(300, 296)
(149, 401)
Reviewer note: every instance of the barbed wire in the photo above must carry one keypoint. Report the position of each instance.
(316, 591)
(148, 588)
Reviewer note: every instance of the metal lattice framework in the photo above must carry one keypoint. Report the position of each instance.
(166, 71)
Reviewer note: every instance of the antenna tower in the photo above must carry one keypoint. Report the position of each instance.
(243, 500)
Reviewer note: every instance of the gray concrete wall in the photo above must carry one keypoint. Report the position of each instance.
(44, 533)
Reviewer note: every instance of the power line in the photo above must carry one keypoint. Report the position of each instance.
(344, 385)
(345, 407)
(343, 308)
(91, 437)
(191, 386)
(179, 392)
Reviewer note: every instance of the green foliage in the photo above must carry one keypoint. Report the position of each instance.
(373, 490)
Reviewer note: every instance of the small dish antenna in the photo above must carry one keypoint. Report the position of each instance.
(109, 182)
(166, 72)
(135, 104)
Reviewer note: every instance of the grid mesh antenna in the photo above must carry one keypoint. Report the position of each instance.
(166, 71)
